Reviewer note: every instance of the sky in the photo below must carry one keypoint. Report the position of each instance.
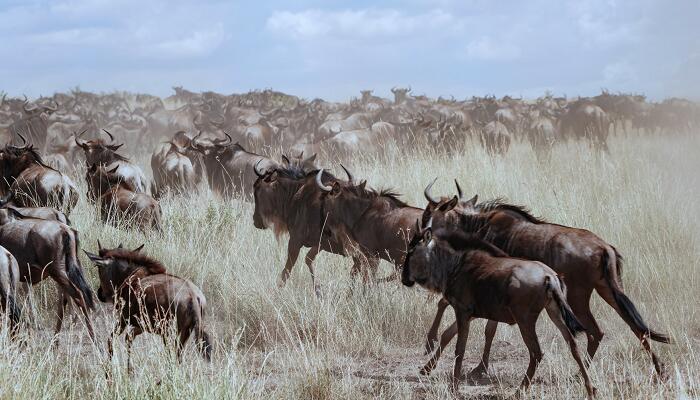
(333, 49)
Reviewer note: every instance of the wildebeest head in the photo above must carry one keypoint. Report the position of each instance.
(444, 211)
(416, 268)
(212, 147)
(117, 265)
(99, 179)
(15, 159)
(400, 94)
(99, 151)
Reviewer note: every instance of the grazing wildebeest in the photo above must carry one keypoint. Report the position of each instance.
(9, 280)
(481, 281)
(585, 260)
(33, 183)
(150, 299)
(43, 249)
(287, 199)
(119, 201)
(378, 224)
(97, 151)
(230, 167)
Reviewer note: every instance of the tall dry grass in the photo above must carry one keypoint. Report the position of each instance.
(366, 342)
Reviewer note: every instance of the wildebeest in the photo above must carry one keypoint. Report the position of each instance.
(33, 183)
(287, 199)
(378, 224)
(230, 167)
(148, 298)
(585, 260)
(495, 138)
(586, 120)
(43, 249)
(481, 281)
(173, 169)
(9, 280)
(119, 201)
(97, 151)
(47, 213)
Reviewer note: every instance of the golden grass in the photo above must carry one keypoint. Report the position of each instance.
(366, 342)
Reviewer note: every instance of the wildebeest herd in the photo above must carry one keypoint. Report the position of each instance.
(490, 260)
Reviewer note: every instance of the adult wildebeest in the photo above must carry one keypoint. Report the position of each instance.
(33, 183)
(230, 167)
(481, 281)
(33, 124)
(43, 249)
(587, 262)
(586, 121)
(150, 299)
(119, 201)
(495, 138)
(287, 199)
(47, 213)
(97, 151)
(9, 280)
(173, 170)
(377, 224)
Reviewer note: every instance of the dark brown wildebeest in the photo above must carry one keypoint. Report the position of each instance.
(97, 151)
(287, 199)
(119, 202)
(230, 167)
(481, 281)
(9, 280)
(48, 249)
(377, 224)
(33, 183)
(586, 120)
(585, 260)
(47, 213)
(150, 299)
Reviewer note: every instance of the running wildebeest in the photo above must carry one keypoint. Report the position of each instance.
(287, 199)
(378, 224)
(9, 280)
(97, 151)
(33, 183)
(585, 260)
(480, 281)
(150, 299)
(43, 249)
(119, 201)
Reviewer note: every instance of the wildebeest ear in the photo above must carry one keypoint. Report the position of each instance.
(310, 160)
(427, 234)
(285, 159)
(113, 170)
(114, 147)
(473, 200)
(136, 250)
(449, 205)
(99, 261)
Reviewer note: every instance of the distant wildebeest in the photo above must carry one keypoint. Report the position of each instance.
(495, 138)
(174, 169)
(148, 299)
(45, 248)
(542, 135)
(97, 151)
(230, 167)
(33, 123)
(287, 199)
(33, 183)
(377, 224)
(585, 260)
(118, 200)
(9, 280)
(586, 121)
(481, 281)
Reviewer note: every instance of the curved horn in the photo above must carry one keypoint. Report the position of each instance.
(108, 134)
(24, 141)
(31, 107)
(285, 159)
(99, 245)
(257, 171)
(320, 184)
(427, 194)
(351, 179)
(460, 194)
(54, 108)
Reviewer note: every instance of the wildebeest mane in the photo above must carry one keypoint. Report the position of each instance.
(387, 194)
(151, 265)
(18, 152)
(461, 241)
(500, 204)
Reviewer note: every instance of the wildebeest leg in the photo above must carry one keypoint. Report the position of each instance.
(69, 288)
(489, 333)
(293, 249)
(182, 339)
(118, 329)
(555, 315)
(432, 333)
(60, 311)
(579, 300)
(526, 324)
(445, 339)
(130, 336)
(309, 259)
(606, 293)
(462, 335)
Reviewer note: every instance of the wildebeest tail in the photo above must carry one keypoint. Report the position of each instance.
(8, 293)
(74, 270)
(202, 336)
(627, 309)
(556, 291)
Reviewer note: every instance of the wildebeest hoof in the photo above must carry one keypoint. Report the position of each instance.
(478, 374)
(425, 370)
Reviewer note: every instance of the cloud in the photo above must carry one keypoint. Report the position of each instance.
(364, 23)
(487, 49)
